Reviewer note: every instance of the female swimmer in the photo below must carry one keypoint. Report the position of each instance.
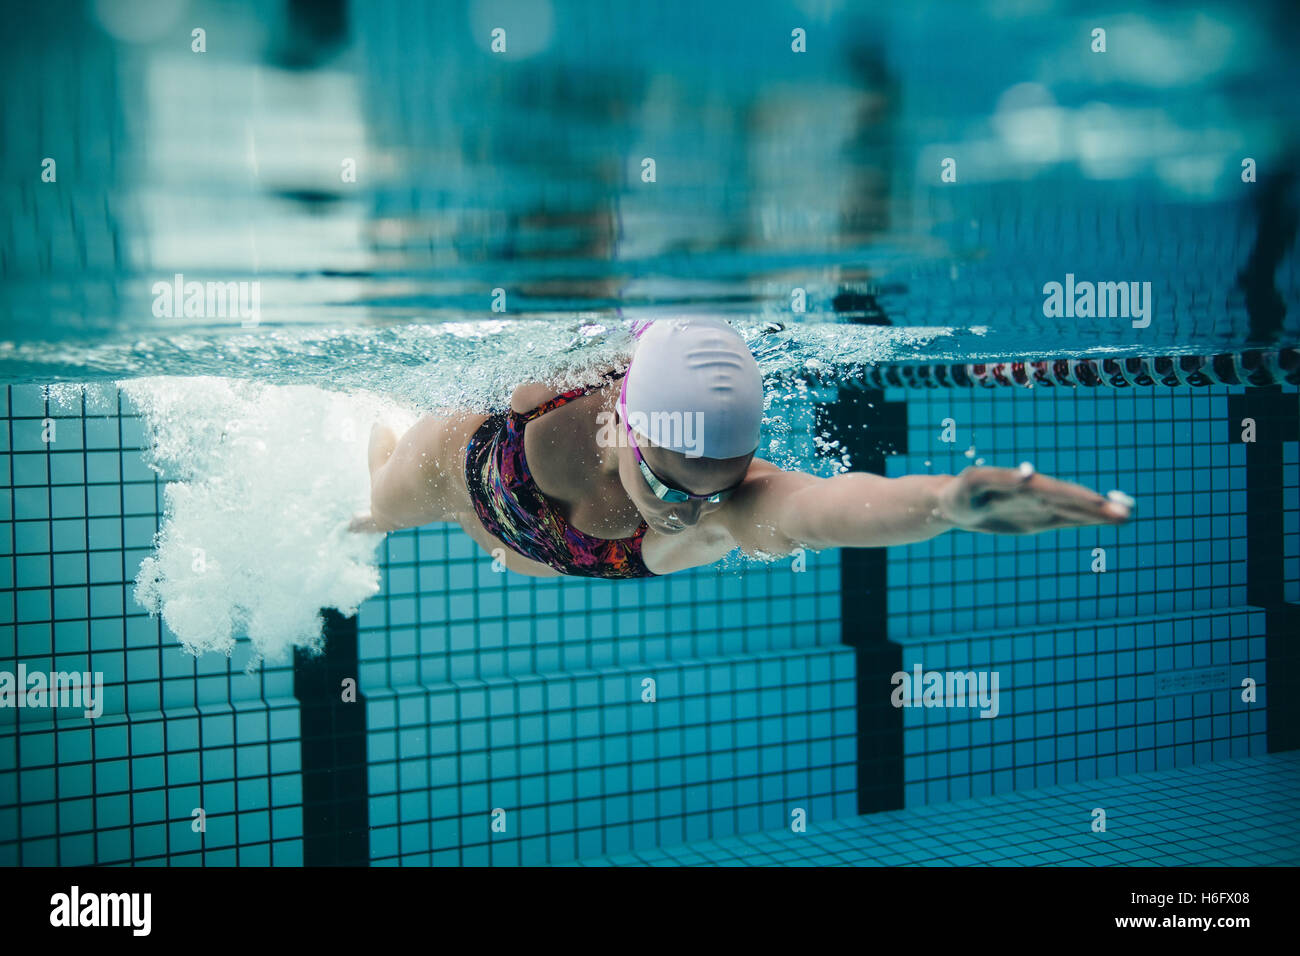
(654, 471)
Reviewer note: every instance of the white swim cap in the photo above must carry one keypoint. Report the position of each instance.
(693, 387)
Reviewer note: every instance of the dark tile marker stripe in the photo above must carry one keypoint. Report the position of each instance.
(869, 428)
(1276, 421)
(335, 795)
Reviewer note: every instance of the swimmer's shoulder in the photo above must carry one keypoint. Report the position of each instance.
(531, 395)
(761, 468)
(761, 479)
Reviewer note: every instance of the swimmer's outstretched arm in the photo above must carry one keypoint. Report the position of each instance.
(406, 480)
(383, 441)
(778, 511)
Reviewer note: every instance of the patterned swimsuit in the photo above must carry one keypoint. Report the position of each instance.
(513, 509)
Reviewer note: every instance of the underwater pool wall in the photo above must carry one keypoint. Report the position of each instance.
(1120, 650)
(490, 700)
(177, 734)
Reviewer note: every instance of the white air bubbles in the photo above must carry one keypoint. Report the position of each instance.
(261, 482)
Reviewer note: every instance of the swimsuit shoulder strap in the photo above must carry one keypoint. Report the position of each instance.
(564, 398)
(552, 404)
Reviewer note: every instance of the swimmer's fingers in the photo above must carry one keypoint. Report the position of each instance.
(973, 498)
(988, 485)
(1021, 501)
(1074, 504)
(1071, 501)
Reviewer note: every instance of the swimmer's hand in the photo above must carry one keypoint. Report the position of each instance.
(1021, 501)
(365, 524)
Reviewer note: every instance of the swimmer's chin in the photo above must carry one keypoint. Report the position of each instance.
(665, 528)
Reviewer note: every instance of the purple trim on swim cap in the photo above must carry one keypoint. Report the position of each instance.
(639, 326)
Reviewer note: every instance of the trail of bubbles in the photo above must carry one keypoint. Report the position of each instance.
(263, 481)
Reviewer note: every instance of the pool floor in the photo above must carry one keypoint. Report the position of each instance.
(1227, 813)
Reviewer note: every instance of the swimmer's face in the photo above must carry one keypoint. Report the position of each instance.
(701, 476)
